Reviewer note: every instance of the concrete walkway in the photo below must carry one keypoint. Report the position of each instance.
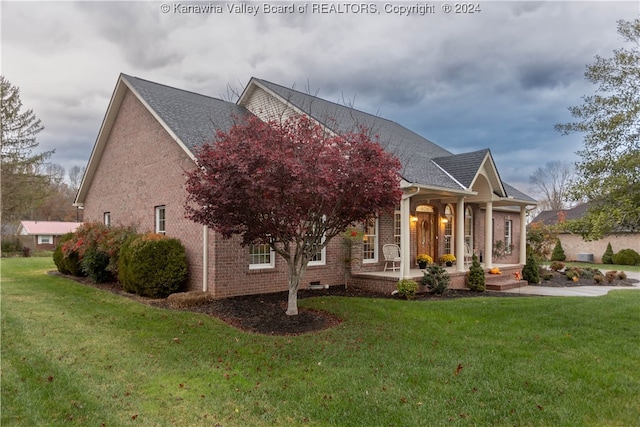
(576, 291)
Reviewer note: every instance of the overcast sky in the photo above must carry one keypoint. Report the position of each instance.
(498, 78)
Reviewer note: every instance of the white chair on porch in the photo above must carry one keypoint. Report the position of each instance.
(467, 254)
(391, 255)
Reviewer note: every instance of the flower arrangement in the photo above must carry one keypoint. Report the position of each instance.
(447, 258)
(495, 270)
(424, 258)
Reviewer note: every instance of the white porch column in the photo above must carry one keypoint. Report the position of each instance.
(405, 237)
(488, 235)
(459, 241)
(523, 235)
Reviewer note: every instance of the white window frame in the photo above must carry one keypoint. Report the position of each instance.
(161, 223)
(107, 218)
(397, 228)
(468, 227)
(508, 235)
(48, 237)
(449, 238)
(322, 257)
(374, 237)
(257, 266)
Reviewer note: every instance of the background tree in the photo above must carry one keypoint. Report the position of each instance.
(553, 183)
(292, 185)
(23, 186)
(609, 171)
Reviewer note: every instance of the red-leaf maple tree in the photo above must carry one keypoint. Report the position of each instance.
(291, 184)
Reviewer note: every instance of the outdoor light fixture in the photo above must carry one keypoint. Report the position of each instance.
(414, 218)
(445, 220)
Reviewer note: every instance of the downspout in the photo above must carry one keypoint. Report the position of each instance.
(205, 259)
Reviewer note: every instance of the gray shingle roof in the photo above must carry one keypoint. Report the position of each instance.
(413, 150)
(463, 167)
(194, 118)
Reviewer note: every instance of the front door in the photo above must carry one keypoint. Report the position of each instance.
(426, 234)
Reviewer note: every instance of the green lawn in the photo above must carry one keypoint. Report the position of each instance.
(635, 268)
(75, 355)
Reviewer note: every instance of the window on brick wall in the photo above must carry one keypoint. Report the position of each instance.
(261, 256)
(107, 218)
(370, 240)
(320, 257)
(45, 240)
(508, 235)
(448, 229)
(397, 226)
(161, 219)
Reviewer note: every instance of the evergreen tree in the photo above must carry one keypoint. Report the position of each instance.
(607, 257)
(558, 253)
(530, 271)
(475, 277)
(23, 187)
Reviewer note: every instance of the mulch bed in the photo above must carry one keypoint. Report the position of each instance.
(265, 314)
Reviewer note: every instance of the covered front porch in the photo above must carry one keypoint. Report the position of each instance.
(385, 282)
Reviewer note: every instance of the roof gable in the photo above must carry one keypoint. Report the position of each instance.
(189, 118)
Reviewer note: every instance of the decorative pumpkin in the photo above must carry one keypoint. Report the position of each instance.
(495, 270)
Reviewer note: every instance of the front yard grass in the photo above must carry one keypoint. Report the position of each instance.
(75, 355)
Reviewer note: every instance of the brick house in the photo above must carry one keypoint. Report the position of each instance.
(135, 176)
(44, 235)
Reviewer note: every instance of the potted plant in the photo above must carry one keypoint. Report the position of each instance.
(448, 259)
(423, 260)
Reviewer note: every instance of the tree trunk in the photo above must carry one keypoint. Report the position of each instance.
(292, 306)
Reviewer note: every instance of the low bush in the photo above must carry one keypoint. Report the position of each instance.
(547, 276)
(94, 264)
(590, 272)
(407, 288)
(626, 257)
(153, 265)
(622, 275)
(67, 262)
(573, 274)
(598, 278)
(557, 266)
(611, 275)
(475, 276)
(436, 279)
(607, 257)
(189, 299)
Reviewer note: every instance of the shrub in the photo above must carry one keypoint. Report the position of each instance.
(530, 271)
(622, 275)
(26, 251)
(558, 253)
(436, 279)
(10, 244)
(573, 274)
(475, 276)
(556, 266)
(94, 264)
(626, 257)
(607, 257)
(152, 265)
(598, 278)
(547, 276)
(611, 275)
(590, 273)
(189, 299)
(407, 288)
(68, 263)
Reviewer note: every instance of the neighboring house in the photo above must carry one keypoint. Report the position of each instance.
(149, 136)
(578, 249)
(44, 235)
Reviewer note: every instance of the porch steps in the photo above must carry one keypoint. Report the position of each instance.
(504, 284)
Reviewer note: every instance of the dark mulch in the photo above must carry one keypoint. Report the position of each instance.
(265, 314)
(559, 280)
